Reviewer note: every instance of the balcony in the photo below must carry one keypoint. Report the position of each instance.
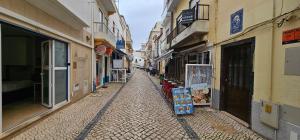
(199, 26)
(60, 11)
(103, 35)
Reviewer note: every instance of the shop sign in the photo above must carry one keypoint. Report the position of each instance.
(291, 36)
(100, 49)
(187, 17)
(198, 78)
(182, 100)
(120, 44)
(117, 63)
(236, 22)
(109, 51)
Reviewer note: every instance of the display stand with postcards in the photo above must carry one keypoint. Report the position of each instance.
(198, 78)
(182, 101)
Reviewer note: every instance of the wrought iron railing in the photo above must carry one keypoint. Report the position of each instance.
(201, 12)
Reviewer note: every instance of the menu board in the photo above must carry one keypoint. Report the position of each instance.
(182, 99)
(198, 78)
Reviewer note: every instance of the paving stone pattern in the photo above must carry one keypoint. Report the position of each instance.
(138, 112)
(212, 124)
(67, 123)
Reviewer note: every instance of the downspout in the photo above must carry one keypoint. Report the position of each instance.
(272, 61)
(93, 45)
(215, 48)
(272, 53)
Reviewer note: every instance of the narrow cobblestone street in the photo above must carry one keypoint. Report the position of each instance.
(138, 111)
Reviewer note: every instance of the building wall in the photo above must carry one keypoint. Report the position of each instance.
(270, 82)
(80, 54)
(81, 64)
(24, 8)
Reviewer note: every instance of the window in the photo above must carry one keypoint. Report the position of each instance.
(204, 58)
(100, 16)
(114, 24)
(193, 59)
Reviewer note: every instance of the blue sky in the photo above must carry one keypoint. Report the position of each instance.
(141, 16)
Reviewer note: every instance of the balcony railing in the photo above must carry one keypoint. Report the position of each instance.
(103, 28)
(201, 12)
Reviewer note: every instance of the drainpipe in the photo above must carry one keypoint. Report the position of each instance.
(93, 45)
(215, 49)
(272, 53)
(272, 61)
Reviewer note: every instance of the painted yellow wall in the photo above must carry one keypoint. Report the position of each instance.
(270, 83)
(285, 88)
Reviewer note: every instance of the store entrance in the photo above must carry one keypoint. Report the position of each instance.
(237, 79)
(106, 70)
(34, 74)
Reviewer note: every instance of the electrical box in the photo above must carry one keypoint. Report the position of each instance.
(292, 61)
(269, 114)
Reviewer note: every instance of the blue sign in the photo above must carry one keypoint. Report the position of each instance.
(236, 22)
(183, 103)
(120, 44)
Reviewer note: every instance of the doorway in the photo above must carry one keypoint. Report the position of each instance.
(34, 71)
(98, 70)
(237, 78)
(105, 70)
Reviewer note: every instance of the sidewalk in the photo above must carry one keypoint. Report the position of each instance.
(212, 124)
(68, 123)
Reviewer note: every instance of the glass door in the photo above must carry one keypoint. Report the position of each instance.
(46, 73)
(60, 72)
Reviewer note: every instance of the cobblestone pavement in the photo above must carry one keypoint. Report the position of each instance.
(138, 112)
(69, 122)
(212, 124)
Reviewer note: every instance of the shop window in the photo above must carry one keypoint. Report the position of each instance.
(200, 58)
(206, 58)
(193, 59)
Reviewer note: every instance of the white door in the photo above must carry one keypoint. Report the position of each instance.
(46, 73)
(60, 72)
(54, 74)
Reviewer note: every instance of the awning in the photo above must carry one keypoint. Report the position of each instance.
(121, 53)
(167, 55)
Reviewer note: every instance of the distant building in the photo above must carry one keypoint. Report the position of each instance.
(139, 59)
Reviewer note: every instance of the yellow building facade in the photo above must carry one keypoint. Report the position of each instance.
(271, 84)
(254, 46)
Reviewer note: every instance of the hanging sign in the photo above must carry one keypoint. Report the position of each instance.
(120, 44)
(291, 36)
(182, 100)
(187, 17)
(198, 78)
(100, 49)
(118, 63)
(109, 51)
